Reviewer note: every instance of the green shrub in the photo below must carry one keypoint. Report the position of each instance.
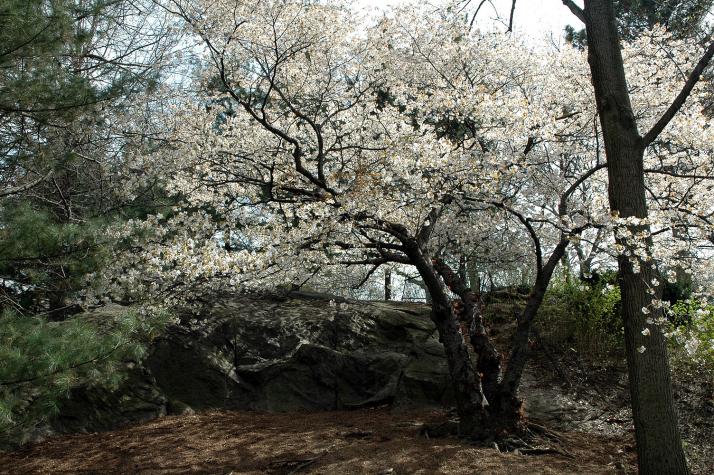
(587, 317)
(42, 361)
(583, 315)
(692, 332)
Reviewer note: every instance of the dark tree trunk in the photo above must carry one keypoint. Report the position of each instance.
(470, 401)
(388, 284)
(519, 347)
(488, 358)
(499, 392)
(658, 440)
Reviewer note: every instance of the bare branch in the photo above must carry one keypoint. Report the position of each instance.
(692, 176)
(563, 206)
(576, 10)
(510, 19)
(369, 274)
(25, 187)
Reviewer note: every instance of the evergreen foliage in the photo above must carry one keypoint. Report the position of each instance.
(47, 259)
(682, 17)
(43, 361)
(67, 67)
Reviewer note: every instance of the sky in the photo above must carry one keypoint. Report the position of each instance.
(537, 19)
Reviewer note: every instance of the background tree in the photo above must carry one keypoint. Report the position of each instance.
(683, 18)
(67, 69)
(71, 72)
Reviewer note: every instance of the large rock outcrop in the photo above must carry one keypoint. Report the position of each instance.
(302, 352)
(295, 352)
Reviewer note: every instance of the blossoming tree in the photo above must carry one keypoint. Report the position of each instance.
(317, 142)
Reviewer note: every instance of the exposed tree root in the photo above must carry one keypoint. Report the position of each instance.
(296, 465)
(528, 441)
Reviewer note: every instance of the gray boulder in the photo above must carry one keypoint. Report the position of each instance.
(279, 353)
(95, 408)
(302, 352)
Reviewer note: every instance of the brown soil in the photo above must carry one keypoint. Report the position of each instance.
(371, 441)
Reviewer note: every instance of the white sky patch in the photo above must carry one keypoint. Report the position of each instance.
(539, 20)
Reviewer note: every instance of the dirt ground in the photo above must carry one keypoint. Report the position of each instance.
(584, 408)
(370, 441)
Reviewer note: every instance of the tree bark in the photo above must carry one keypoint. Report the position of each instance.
(388, 284)
(659, 444)
(519, 346)
(471, 403)
(501, 389)
(488, 357)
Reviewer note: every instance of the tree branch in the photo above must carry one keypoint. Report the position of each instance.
(681, 97)
(25, 187)
(510, 20)
(374, 268)
(531, 231)
(576, 10)
(563, 206)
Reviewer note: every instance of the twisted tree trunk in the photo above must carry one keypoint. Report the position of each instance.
(471, 403)
(488, 361)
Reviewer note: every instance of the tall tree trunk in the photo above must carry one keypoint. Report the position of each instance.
(659, 444)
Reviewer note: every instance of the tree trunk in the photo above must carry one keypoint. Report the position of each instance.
(659, 444)
(508, 391)
(462, 269)
(488, 358)
(501, 393)
(468, 392)
(388, 284)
